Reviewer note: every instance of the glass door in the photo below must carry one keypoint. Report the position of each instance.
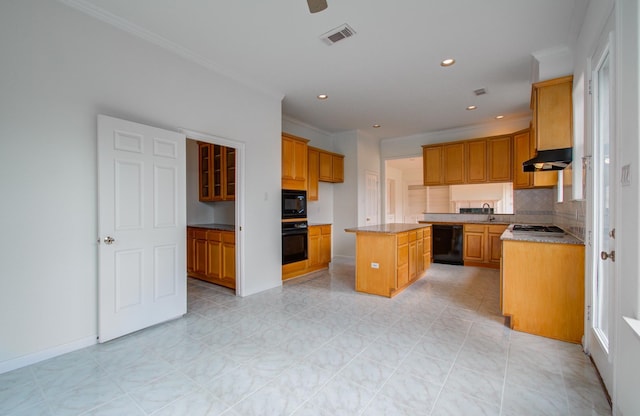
(603, 268)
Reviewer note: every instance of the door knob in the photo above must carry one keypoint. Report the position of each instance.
(109, 240)
(604, 255)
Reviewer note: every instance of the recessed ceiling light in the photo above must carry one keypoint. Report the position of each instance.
(499, 117)
(323, 97)
(376, 126)
(472, 107)
(448, 62)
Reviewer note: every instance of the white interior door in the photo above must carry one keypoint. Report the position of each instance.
(141, 226)
(372, 199)
(601, 331)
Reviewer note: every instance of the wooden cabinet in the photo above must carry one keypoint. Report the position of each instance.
(476, 160)
(453, 163)
(432, 165)
(482, 245)
(542, 286)
(524, 149)
(319, 253)
(499, 155)
(324, 166)
(211, 256)
(294, 162)
(217, 168)
(319, 247)
(386, 263)
(331, 167)
(314, 172)
(471, 161)
(551, 103)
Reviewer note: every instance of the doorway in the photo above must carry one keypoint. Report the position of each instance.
(231, 211)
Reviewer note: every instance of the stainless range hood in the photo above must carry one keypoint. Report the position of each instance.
(545, 160)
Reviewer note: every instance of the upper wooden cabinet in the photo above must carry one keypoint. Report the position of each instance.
(476, 161)
(499, 154)
(552, 113)
(324, 166)
(432, 165)
(314, 172)
(217, 172)
(470, 161)
(331, 167)
(524, 149)
(453, 163)
(294, 162)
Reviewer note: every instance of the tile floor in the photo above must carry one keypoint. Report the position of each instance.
(316, 347)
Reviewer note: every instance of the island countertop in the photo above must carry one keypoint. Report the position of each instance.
(392, 228)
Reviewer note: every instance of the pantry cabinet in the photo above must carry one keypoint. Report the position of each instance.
(294, 162)
(551, 103)
(211, 256)
(217, 172)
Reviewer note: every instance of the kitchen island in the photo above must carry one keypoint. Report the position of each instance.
(389, 257)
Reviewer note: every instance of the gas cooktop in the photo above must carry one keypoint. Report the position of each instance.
(550, 230)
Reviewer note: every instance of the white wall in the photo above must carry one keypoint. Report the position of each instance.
(411, 146)
(368, 161)
(345, 202)
(60, 69)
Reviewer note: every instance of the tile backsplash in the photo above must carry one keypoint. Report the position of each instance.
(571, 215)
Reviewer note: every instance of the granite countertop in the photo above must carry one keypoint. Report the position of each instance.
(313, 224)
(387, 228)
(509, 235)
(466, 222)
(214, 226)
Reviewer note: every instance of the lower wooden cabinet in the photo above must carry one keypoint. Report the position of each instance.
(211, 256)
(319, 253)
(482, 244)
(542, 288)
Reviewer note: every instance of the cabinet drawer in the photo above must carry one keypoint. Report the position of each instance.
(228, 237)
(403, 238)
(497, 228)
(314, 231)
(200, 234)
(325, 229)
(412, 236)
(474, 228)
(419, 234)
(213, 235)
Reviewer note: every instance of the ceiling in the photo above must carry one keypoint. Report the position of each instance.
(388, 73)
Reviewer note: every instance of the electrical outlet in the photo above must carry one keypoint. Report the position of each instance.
(375, 266)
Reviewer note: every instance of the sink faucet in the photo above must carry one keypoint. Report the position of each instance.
(489, 217)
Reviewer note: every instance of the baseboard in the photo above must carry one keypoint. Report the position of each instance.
(348, 260)
(36, 357)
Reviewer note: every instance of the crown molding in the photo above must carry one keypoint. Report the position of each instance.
(131, 28)
(299, 123)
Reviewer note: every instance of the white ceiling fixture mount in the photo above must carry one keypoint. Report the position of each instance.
(316, 6)
(337, 34)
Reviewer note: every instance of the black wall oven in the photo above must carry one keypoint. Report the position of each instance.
(294, 241)
(294, 204)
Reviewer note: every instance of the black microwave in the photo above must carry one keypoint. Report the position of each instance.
(294, 204)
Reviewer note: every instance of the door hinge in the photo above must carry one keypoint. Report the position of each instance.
(589, 87)
(589, 313)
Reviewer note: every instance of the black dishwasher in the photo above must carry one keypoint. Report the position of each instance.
(447, 244)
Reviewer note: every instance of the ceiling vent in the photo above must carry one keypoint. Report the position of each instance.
(480, 91)
(338, 34)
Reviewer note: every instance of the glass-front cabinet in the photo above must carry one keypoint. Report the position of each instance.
(217, 165)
